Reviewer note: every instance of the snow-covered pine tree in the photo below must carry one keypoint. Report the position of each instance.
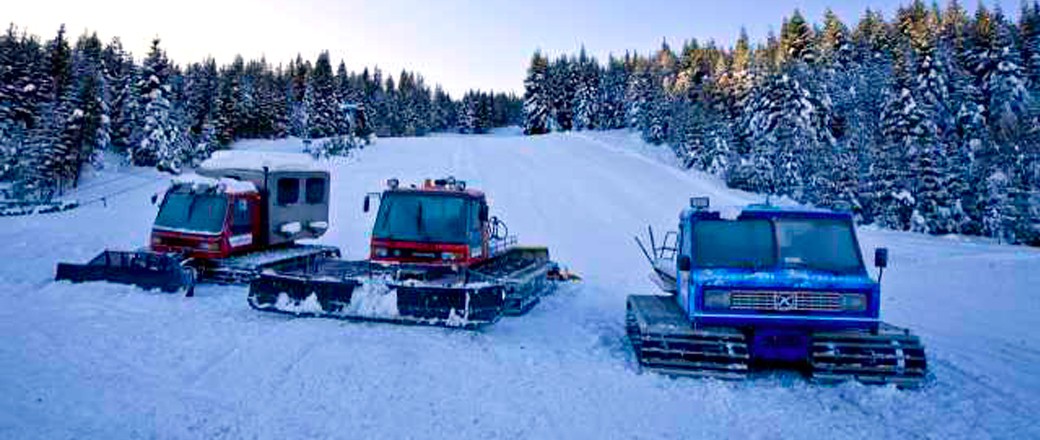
(537, 96)
(159, 141)
(59, 56)
(322, 108)
(202, 86)
(120, 76)
(443, 111)
(890, 185)
(87, 132)
(611, 100)
(343, 97)
(298, 118)
(586, 75)
(23, 91)
(562, 88)
(224, 111)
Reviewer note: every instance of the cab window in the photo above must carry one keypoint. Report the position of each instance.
(315, 191)
(242, 217)
(475, 229)
(288, 191)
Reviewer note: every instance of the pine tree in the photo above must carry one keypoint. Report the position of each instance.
(611, 101)
(562, 88)
(586, 75)
(322, 108)
(158, 141)
(88, 131)
(537, 96)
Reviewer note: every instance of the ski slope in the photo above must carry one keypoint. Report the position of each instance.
(110, 361)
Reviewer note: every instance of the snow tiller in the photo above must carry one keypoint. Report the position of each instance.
(240, 214)
(436, 258)
(773, 287)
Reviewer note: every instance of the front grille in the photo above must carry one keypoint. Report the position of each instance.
(786, 301)
(178, 242)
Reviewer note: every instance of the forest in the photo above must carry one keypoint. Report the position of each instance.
(927, 121)
(63, 104)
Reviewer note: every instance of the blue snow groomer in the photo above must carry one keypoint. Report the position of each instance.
(774, 286)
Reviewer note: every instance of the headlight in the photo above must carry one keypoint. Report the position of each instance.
(449, 256)
(856, 302)
(210, 246)
(716, 299)
(156, 241)
(380, 252)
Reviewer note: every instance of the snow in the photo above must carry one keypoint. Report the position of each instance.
(232, 186)
(309, 304)
(373, 298)
(108, 361)
(291, 228)
(257, 160)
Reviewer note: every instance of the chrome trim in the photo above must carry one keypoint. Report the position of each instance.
(786, 301)
(787, 317)
(186, 231)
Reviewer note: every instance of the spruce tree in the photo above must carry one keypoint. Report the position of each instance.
(158, 141)
(537, 96)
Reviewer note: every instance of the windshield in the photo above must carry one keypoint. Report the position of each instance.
(421, 217)
(822, 244)
(742, 244)
(819, 244)
(192, 212)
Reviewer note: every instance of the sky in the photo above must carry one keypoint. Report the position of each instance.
(460, 44)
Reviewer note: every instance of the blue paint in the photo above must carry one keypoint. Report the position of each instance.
(776, 335)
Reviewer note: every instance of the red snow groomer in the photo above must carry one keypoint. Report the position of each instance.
(241, 213)
(436, 257)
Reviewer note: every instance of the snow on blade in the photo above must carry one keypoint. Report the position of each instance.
(373, 299)
(309, 305)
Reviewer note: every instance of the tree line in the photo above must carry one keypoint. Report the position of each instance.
(925, 122)
(63, 103)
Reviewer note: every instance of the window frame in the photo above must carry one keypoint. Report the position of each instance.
(307, 190)
(283, 200)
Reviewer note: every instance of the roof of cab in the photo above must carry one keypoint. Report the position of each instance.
(470, 193)
(258, 160)
(768, 212)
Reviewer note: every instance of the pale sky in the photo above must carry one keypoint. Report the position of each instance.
(459, 44)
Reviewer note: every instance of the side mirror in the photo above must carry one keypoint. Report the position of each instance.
(881, 258)
(684, 263)
(155, 197)
(483, 213)
(367, 204)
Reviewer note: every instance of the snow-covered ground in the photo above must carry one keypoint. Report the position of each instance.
(109, 361)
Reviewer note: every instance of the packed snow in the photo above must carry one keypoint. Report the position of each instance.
(232, 186)
(111, 361)
(252, 160)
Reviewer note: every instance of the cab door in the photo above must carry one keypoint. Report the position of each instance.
(244, 223)
(681, 277)
(477, 236)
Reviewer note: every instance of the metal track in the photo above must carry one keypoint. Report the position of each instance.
(244, 269)
(665, 342)
(891, 355)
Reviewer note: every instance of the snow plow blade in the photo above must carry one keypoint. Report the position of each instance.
(509, 284)
(144, 269)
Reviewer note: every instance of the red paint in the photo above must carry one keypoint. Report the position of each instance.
(189, 243)
(434, 249)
